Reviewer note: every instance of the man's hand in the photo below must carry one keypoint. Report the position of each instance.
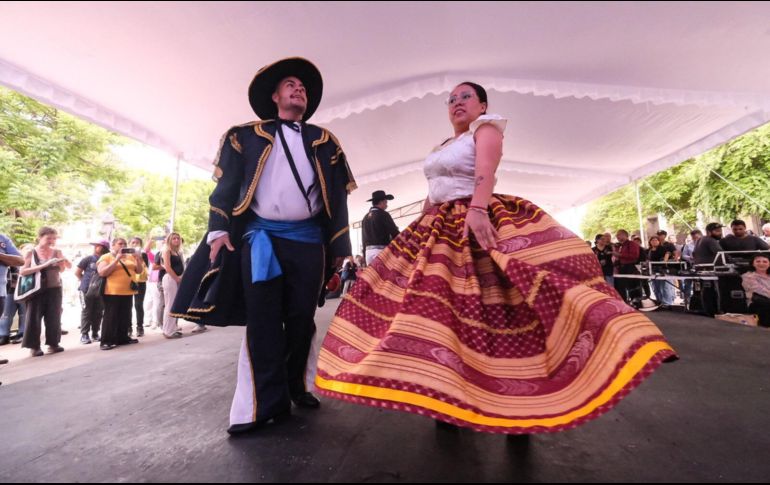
(216, 246)
(338, 262)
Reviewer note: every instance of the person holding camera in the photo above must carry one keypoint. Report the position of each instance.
(47, 302)
(120, 268)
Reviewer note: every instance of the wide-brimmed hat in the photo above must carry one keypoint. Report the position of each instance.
(379, 195)
(266, 80)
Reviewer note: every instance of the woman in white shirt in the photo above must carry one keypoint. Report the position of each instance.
(485, 312)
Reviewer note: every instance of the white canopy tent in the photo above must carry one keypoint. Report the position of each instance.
(597, 94)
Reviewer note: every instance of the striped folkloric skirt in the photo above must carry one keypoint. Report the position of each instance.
(527, 338)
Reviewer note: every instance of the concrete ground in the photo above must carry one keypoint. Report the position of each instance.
(158, 411)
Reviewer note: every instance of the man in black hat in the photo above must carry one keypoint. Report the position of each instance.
(708, 246)
(278, 229)
(378, 226)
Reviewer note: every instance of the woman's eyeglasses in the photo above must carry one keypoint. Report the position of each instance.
(453, 100)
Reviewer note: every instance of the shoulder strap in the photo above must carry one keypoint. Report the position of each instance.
(294, 171)
(124, 268)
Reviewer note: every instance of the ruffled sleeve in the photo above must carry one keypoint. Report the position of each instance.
(498, 121)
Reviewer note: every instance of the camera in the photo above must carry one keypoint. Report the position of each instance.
(127, 251)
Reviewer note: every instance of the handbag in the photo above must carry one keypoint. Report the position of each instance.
(29, 285)
(134, 285)
(96, 286)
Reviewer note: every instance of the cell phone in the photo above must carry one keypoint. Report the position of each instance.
(127, 251)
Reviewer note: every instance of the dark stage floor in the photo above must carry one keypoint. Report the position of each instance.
(158, 411)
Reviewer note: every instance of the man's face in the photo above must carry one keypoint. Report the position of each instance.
(290, 96)
(696, 236)
(661, 238)
(383, 204)
(739, 231)
(716, 233)
(622, 237)
(607, 238)
(766, 230)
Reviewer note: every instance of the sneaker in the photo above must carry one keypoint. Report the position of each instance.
(174, 335)
(107, 346)
(84, 339)
(200, 329)
(17, 339)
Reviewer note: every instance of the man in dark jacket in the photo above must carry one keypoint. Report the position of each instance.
(278, 228)
(378, 227)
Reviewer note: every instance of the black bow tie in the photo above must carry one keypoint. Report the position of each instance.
(291, 124)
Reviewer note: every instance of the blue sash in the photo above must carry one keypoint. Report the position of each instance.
(264, 264)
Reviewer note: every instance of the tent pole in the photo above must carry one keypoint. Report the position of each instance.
(176, 193)
(639, 210)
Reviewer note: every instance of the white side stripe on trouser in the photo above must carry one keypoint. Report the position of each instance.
(244, 407)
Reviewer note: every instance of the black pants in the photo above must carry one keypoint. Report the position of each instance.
(91, 315)
(117, 319)
(763, 311)
(139, 306)
(45, 305)
(280, 322)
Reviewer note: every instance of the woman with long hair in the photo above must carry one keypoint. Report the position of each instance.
(756, 285)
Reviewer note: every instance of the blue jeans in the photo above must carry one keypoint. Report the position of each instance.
(9, 311)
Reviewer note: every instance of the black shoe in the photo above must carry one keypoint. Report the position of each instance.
(107, 346)
(140, 332)
(518, 439)
(446, 426)
(5, 340)
(65, 332)
(237, 429)
(55, 349)
(36, 353)
(306, 400)
(3, 361)
(95, 337)
(17, 339)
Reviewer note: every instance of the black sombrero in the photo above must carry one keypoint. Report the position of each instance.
(265, 81)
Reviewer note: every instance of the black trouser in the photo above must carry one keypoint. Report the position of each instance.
(91, 315)
(280, 322)
(45, 305)
(139, 306)
(117, 319)
(762, 310)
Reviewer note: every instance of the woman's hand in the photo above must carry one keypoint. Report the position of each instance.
(482, 228)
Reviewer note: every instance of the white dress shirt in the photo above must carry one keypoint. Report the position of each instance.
(277, 196)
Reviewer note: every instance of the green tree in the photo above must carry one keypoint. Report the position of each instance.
(144, 205)
(694, 186)
(50, 162)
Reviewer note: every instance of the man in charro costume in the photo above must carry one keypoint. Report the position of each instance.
(278, 229)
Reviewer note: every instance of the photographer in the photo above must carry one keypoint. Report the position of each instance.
(120, 268)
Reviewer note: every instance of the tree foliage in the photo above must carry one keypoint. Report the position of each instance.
(693, 186)
(143, 207)
(50, 162)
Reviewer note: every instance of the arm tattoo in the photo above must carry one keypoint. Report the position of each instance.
(479, 180)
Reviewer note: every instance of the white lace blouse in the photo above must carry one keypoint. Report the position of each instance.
(451, 167)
